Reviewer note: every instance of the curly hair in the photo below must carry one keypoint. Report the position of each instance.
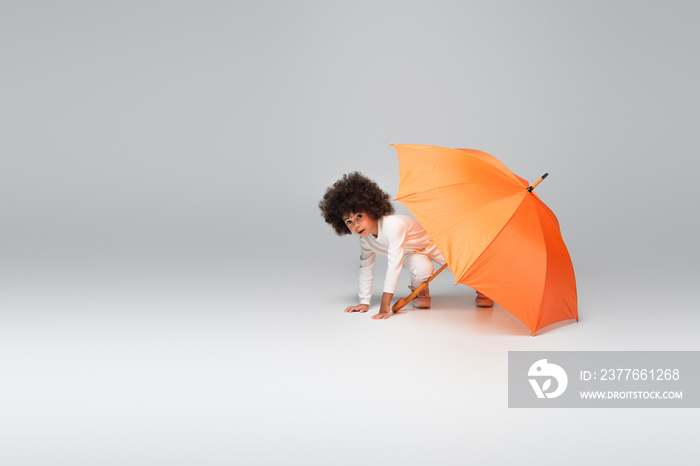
(353, 193)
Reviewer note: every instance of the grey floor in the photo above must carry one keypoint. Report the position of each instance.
(168, 369)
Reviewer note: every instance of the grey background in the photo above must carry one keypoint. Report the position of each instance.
(170, 294)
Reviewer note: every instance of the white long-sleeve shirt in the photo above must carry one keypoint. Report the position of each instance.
(397, 236)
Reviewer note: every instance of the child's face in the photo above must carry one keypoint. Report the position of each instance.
(361, 224)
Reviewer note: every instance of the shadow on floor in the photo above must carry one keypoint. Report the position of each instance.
(458, 309)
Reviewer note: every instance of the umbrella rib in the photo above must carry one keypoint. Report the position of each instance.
(546, 270)
(495, 236)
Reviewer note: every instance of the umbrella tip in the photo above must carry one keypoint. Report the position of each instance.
(537, 182)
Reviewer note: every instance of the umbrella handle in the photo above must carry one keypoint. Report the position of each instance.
(403, 301)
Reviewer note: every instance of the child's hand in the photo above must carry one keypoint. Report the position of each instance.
(385, 308)
(358, 308)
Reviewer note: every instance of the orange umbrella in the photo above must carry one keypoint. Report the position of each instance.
(495, 233)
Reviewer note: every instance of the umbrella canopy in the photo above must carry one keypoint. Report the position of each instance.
(496, 234)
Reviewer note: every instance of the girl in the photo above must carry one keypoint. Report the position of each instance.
(356, 204)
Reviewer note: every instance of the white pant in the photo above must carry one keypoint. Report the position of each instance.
(420, 265)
